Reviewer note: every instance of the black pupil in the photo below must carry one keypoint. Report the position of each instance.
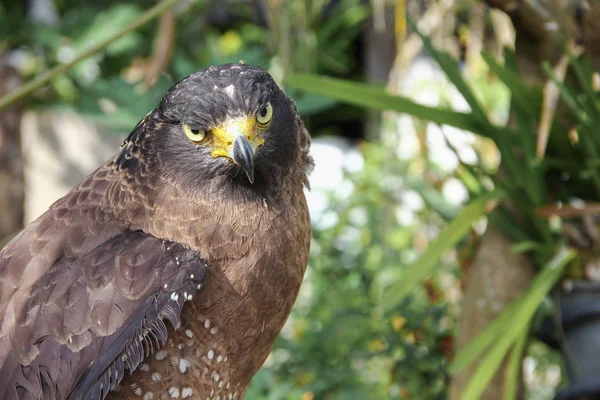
(195, 131)
(263, 112)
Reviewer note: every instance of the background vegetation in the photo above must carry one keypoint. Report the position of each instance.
(444, 131)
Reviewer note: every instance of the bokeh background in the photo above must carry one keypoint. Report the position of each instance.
(386, 183)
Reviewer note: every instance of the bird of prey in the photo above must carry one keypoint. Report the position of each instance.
(170, 270)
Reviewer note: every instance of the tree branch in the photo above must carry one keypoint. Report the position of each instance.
(45, 77)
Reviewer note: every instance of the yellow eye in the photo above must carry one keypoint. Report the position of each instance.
(265, 114)
(195, 135)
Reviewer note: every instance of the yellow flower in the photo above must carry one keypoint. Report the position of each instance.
(398, 323)
(230, 43)
(375, 345)
(307, 396)
(304, 378)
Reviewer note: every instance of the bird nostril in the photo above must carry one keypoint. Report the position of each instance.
(229, 143)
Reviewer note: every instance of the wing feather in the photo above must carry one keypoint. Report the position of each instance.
(73, 329)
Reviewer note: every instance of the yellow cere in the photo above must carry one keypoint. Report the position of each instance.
(222, 137)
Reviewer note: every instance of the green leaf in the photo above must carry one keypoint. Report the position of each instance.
(527, 178)
(568, 95)
(522, 96)
(526, 112)
(525, 246)
(434, 199)
(347, 17)
(309, 104)
(105, 24)
(513, 368)
(505, 330)
(361, 94)
(583, 72)
(450, 67)
(488, 367)
(589, 140)
(505, 220)
(412, 276)
(475, 347)
(524, 120)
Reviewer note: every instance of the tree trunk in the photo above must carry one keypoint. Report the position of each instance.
(498, 277)
(379, 54)
(12, 191)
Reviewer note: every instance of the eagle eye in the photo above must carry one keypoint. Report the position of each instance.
(264, 115)
(194, 135)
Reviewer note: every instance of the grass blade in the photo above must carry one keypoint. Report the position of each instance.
(484, 340)
(524, 97)
(568, 96)
(453, 72)
(488, 367)
(513, 368)
(364, 95)
(584, 77)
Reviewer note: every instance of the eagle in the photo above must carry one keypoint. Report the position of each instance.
(170, 270)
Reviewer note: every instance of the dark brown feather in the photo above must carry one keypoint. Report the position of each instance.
(104, 320)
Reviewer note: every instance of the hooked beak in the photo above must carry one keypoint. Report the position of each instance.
(238, 140)
(243, 155)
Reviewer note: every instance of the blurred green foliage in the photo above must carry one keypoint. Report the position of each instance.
(206, 33)
(529, 175)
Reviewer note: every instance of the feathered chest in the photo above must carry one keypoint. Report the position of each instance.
(257, 255)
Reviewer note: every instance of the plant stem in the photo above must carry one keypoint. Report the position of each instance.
(45, 77)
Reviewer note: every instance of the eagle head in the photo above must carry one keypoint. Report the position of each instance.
(225, 123)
